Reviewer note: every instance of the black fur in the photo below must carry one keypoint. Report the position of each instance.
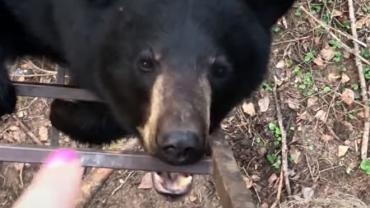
(100, 40)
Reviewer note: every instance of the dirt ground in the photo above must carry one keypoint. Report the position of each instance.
(318, 84)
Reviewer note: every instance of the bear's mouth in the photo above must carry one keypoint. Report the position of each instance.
(172, 184)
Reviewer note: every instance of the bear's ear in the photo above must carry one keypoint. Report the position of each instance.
(269, 11)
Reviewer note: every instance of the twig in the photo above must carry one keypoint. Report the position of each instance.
(284, 147)
(96, 178)
(345, 46)
(328, 27)
(123, 183)
(27, 130)
(290, 41)
(365, 136)
(35, 67)
(280, 188)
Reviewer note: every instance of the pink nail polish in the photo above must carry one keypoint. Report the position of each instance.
(60, 157)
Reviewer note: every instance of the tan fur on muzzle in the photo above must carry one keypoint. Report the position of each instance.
(177, 103)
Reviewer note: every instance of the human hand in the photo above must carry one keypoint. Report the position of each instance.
(57, 184)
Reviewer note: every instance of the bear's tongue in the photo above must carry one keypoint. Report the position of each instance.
(172, 184)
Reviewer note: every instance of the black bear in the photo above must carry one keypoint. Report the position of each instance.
(167, 71)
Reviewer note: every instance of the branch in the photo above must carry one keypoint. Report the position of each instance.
(345, 46)
(365, 136)
(284, 146)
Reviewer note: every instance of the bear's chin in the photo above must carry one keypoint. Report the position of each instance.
(173, 185)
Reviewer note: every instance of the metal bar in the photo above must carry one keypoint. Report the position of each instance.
(53, 91)
(228, 179)
(137, 161)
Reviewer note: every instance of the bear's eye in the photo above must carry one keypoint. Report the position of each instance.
(220, 68)
(219, 71)
(146, 64)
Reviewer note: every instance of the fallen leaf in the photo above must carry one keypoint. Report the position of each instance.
(293, 104)
(361, 114)
(249, 109)
(255, 178)
(337, 13)
(284, 22)
(13, 128)
(264, 104)
(342, 150)
(345, 78)
(304, 116)
(272, 179)
(43, 133)
(348, 96)
(307, 193)
(321, 115)
(327, 53)
(363, 21)
(312, 101)
(280, 64)
(193, 198)
(248, 182)
(319, 62)
(264, 205)
(333, 77)
(295, 155)
(146, 181)
(19, 166)
(346, 54)
(326, 138)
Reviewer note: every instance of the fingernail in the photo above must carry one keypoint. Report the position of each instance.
(60, 157)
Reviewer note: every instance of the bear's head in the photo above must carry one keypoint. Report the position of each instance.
(172, 70)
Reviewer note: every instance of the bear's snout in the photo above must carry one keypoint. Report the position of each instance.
(180, 147)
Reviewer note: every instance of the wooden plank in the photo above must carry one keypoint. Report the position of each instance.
(228, 179)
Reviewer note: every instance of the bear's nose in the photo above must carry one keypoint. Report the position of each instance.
(180, 147)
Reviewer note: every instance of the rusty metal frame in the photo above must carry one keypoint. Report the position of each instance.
(222, 165)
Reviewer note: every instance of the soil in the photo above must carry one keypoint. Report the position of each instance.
(318, 121)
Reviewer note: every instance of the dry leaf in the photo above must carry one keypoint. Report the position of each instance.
(19, 166)
(307, 193)
(43, 133)
(327, 53)
(363, 21)
(333, 77)
(361, 114)
(248, 182)
(272, 179)
(293, 104)
(342, 150)
(193, 197)
(280, 64)
(249, 109)
(264, 104)
(304, 116)
(13, 128)
(319, 62)
(295, 155)
(284, 22)
(337, 13)
(255, 178)
(345, 78)
(264, 205)
(146, 181)
(312, 101)
(326, 138)
(348, 96)
(321, 115)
